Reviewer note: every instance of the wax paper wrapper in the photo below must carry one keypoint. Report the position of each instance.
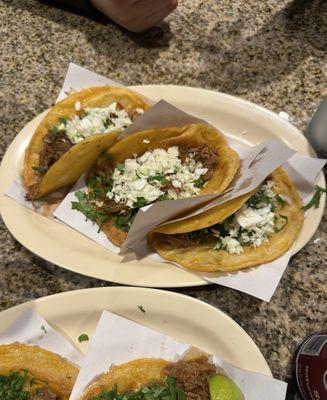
(77, 78)
(32, 329)
(129, 340)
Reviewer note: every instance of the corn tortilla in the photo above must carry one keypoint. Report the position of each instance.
(81, 156)
(203, 257)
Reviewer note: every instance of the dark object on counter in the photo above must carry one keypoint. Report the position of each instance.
(316, 131)
(83, 7)
(310, 367)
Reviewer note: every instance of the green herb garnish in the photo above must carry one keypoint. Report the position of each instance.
(141, 308)
(314, 202)
(63, 120)
(90, 211)
(160, 178)
(124, 221)
(198, 183)
(140, 202)
(53, 134)
(280, 200)
(11, 386)
(260, 198)
(40, 170)
(154, 392)
(83, 338)
(106, 122)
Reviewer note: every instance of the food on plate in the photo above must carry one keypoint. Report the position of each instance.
(149, 378)
(73, 133)
(32, 373)
(151, 166)
(247, 231)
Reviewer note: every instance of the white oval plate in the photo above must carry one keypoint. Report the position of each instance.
(206, 327)
(69, 249)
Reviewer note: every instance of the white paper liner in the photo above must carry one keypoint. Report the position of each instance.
(118, 340)
(32, 329)
(78, 78)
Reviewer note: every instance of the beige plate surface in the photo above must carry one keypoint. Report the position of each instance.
(76, 312)
(69, 249)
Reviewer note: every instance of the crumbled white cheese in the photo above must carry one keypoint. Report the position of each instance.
(251, 225)
(230, 244)
(147, 176)
(95, 121)
(78, 106)
(146, 141)
(139, 110)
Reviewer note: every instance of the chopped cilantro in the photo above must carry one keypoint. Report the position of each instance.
(260, 198)
(315, 201)
(90, 211)
(141, 308)
(198, 183)
(160, 178)
(124, 221)
(40, 170)
(280, 200)
(83, 338)
(154, 392)
(106, 122)
(12, 386)
(141, 202)
(63, 120)
(109, 185)
(53, 134)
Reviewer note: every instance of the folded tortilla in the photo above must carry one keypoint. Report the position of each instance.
(128, 377)
(80, 157)
(203, 257)
(44, 368)
(190, 377)
(192, 135)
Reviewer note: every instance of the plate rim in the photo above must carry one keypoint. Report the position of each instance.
(160, 292)
(196, 281)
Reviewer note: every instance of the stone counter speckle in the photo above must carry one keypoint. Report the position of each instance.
(271, 53)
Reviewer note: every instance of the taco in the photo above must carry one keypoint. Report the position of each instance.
(148, 378)
(247, 231)
(73, 133)
(151, 166)
(32, 373)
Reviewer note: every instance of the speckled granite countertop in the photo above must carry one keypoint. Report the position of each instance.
(270, 52)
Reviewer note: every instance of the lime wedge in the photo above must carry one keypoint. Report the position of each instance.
(223, 388)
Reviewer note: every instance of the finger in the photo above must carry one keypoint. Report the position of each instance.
(150, 7)
(149, 20)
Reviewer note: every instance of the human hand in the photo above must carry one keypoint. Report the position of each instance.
(136, 15)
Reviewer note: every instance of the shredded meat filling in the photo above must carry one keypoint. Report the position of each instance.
(54, 148)
(182, 240)
(112, 207)
(204, 154)
(192, 377)
(43, 394)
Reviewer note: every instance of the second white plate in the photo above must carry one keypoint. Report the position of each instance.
(76, 312)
